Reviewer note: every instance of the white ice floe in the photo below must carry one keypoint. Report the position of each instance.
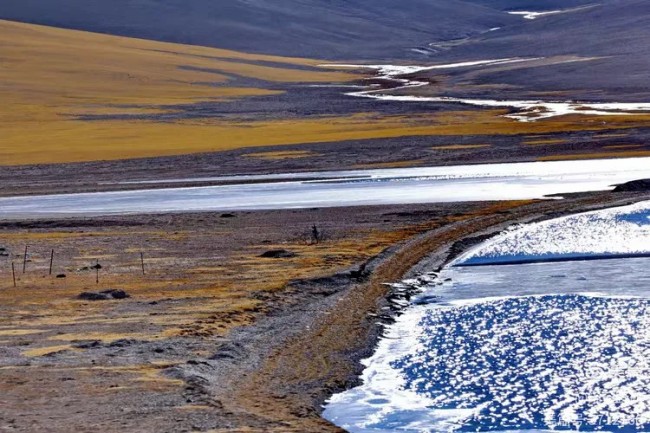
(611, 232)
(527, 110)
(530, 15)
(392, 71)
(533, 15)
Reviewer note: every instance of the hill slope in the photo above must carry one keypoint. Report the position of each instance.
(334, 29)
(613, 34)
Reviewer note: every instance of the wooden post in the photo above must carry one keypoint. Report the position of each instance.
(142, 261)
(25, 259)
(13, 272)
(51, 261)
(96, 271)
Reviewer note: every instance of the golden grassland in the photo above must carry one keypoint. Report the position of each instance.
(544, 142)
(623, 146)
(209, 298)
(49, 77)
(73, 140)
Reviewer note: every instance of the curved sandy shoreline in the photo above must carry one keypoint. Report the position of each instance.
(287, 389)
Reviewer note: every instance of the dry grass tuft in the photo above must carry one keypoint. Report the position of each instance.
(544, 142)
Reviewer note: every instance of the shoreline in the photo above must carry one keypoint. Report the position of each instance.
(215, 338)
(343, 336)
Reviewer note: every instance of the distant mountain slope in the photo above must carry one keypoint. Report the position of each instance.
(334, 29)
(616, 33)
(533, 5)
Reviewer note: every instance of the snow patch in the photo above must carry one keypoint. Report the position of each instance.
(610, 232)
(526, 110)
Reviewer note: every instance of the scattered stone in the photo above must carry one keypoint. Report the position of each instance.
(117, 293)
(229, 350)
(227, 215)
(426, 300)
(278, 254)
(87, 344)
(104, 295)
(123, 342)
(641, 185)
(197, 362)
(60, 276)
(93, 296)
(359, 273)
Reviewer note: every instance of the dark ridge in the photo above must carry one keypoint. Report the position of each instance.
(641, 185)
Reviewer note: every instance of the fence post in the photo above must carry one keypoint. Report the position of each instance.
(25, 259)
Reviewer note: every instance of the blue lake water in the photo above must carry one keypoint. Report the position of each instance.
(557, 346)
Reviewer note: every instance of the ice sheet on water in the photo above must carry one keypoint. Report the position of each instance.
(536, 362)
(532, 363)
(514, 348)
(610, 232)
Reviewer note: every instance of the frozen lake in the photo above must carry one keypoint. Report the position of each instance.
(519, 348)
(345, 188)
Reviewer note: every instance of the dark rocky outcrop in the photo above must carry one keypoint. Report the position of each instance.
(104, 295)
(278, 254)
(642, 185)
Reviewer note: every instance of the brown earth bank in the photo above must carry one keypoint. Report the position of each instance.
(213, 336)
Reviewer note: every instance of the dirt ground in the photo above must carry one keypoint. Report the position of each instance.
(68, 363)
(213, 337)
